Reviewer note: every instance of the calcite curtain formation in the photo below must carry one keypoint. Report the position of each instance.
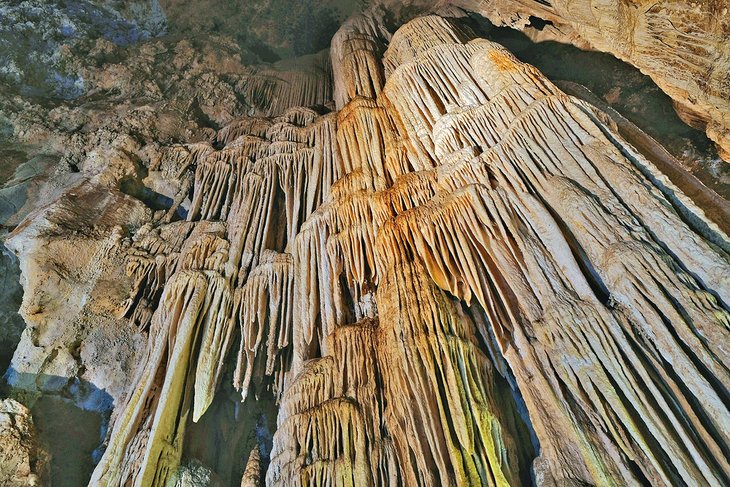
(461, 276)
(681, 45)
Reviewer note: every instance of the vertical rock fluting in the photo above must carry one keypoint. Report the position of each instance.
(682, 46)
(461, 277)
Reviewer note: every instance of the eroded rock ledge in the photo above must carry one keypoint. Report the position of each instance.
(454, 274)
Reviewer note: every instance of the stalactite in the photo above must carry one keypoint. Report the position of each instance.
(461, 277)
(287, 84)
(341, 412)
(430, 359)
(146, 441)
(251, 220)
(185, 353)
(515, 247)
(356, 50)
(255, 127)
(315, 289)
(214, 345)
(155, 255)
(219, 177)
(263, 309)
(308, 171)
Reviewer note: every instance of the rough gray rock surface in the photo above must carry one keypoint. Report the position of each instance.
(37, 39)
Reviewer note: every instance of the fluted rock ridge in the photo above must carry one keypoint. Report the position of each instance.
(682, 46)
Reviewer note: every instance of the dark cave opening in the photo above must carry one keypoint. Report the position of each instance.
(539, 24)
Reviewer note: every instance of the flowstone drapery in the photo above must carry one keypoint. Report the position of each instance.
(459, 276)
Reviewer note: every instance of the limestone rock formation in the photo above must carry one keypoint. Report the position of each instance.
(42, 34)
(682, 46)
(105, 172)
(438, 268)
(252, 474)
(461, 229)
(22, 461)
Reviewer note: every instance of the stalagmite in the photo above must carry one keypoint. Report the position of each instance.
(252, 474)
(462, 276)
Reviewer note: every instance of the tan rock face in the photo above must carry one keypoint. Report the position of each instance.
(72, 270)
(22, 461)
(460, 276)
